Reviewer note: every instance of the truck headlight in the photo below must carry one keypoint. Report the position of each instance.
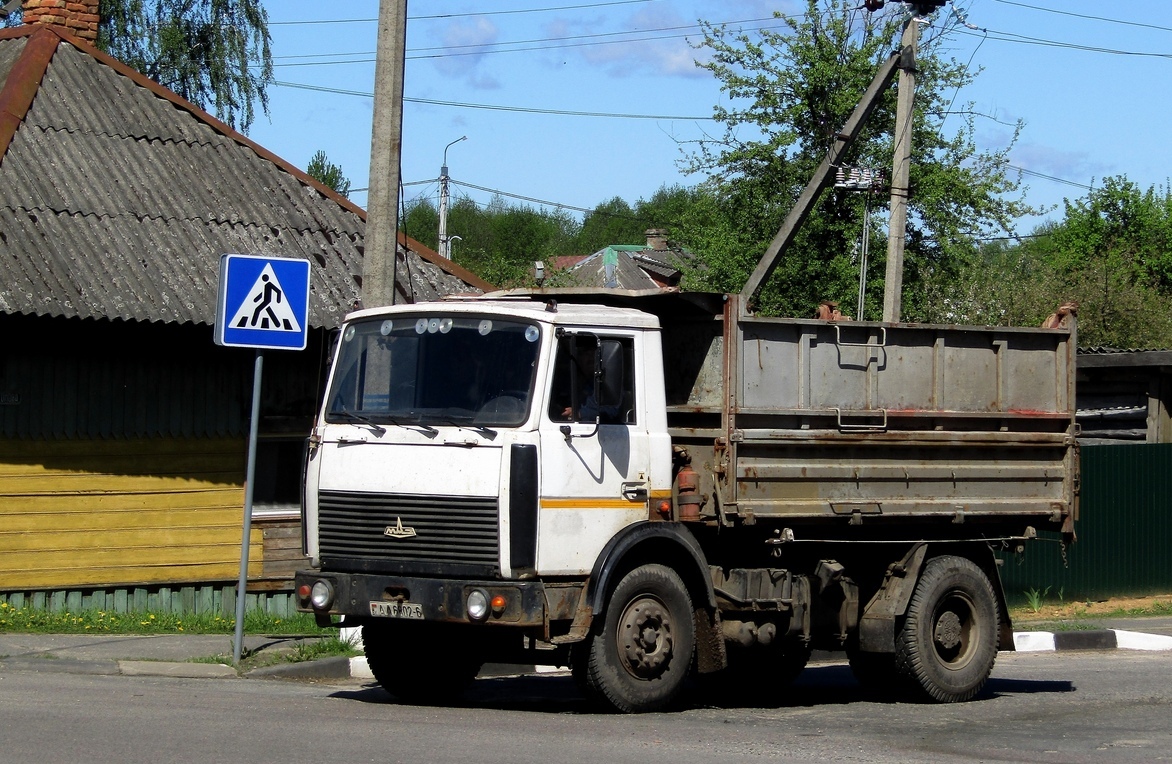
(477, 606)
(321, 596)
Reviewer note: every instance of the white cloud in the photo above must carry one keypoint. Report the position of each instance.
(466, 41)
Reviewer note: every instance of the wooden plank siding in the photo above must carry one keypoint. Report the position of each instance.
(91, 513)
(282, 549)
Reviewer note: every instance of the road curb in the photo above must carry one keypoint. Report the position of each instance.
(322, 668)
(176, 669)
(1098, 639)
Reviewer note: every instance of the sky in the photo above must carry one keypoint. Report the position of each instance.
(572, 102)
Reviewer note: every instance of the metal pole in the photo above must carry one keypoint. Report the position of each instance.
(249, 474)
(386, 147)
(900, 171)
(863, 252)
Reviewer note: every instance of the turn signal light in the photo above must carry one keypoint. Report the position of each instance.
(664, 507)
(498, 604)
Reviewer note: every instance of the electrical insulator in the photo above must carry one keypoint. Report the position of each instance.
(873, 5)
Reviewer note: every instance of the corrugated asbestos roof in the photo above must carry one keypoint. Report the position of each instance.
(635, 267)
(117, 199)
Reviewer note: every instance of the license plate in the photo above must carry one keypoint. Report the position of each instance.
(397, 610)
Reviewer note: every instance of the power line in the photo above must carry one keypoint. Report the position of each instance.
(1085, 16)
(460, 15)
(481, 49)
(1044, 176)
(522, 198)
(1027, 40)
(492, 107)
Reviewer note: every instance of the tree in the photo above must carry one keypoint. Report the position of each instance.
(617, 222)
(791, 92)
(214, 53)
(498, 242)
(327, 173)
(1110, 253)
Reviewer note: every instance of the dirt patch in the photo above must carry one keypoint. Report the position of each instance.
(1117, 606)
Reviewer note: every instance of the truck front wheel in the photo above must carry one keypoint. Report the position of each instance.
(950, 635)
(640, 658)
(419, 663)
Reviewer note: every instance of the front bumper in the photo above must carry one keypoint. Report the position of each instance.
(439, 599)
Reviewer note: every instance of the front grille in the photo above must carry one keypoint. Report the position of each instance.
(448, 529)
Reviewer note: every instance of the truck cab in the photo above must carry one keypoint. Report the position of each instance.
(470, 463)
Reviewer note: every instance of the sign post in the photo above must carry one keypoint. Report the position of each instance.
(263, 303)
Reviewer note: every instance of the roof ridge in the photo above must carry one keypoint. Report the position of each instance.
(24, 81)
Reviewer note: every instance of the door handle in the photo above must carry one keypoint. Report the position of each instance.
(635, 491)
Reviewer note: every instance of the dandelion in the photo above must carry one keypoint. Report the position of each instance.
(152, 616)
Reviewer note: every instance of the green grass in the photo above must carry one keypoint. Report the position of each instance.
(309, 650)
(1076, 625)
(28, 620)
(1155, 608)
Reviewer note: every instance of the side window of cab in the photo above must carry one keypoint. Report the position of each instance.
(593, 379)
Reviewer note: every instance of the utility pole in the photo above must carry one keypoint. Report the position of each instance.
(386, 147)
(445, 241)
(900, 170)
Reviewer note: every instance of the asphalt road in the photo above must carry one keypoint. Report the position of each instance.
(1044, 707)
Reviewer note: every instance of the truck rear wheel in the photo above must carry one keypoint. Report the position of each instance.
(419, 663)
(950, 635)
(640, 658)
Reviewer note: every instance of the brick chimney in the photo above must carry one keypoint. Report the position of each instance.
(78, 17)
(656, 239)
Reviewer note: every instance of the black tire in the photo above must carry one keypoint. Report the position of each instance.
(423, 664)
(952, 631)
(639, 658)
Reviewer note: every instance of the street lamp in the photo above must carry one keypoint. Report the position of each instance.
(445, 241)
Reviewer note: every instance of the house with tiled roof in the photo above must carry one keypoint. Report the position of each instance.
(123, 426)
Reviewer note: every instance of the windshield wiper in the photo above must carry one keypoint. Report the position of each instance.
(450, 419)
(431, 432)
(355, 417)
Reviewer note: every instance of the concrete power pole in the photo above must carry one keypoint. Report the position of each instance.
(386, 146)
(445, 241)
(900, 171)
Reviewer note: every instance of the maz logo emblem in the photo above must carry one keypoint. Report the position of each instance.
(397, 531)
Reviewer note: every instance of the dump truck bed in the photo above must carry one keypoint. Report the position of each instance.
(880, 425)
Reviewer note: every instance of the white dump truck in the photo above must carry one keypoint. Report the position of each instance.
(643, 486)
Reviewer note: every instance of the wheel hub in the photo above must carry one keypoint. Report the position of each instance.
(645, 638)
(948, 630)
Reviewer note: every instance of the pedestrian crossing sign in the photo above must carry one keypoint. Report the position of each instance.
(263, 302)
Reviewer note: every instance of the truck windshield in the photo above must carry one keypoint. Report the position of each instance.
(435, 370)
